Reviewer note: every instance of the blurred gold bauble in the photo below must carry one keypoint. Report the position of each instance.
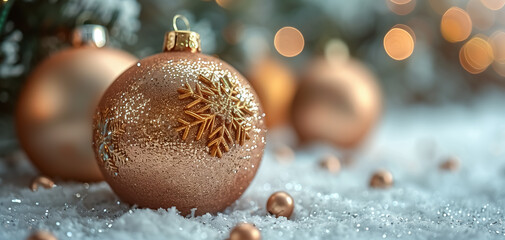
(245, 231)
(55, 109)
(381, 179)
(41, 181)
(450, 164)
(42, 235)
(280, 204)
(181, 129)
(331, 163)
(338, 102)
(275, 85)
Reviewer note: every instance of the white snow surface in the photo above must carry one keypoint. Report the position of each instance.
(424, 203)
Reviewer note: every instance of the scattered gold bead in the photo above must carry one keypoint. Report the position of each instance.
(450, 164)
(284, 154)
(331, 163)
(381, 179)
(245, 231)
(42, 235)
(45, 182)
(280, 204)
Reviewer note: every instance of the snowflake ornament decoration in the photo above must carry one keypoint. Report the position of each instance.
(218, 111)
(109, 132)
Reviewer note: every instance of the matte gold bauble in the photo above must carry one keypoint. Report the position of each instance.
(338, 102)
(55, 109)
(181, 129)
(275, 84)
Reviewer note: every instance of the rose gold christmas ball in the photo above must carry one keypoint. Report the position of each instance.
(55, 109)
(381, 179)
(338, 102)
(275, 84)
(280, 204)
(42, 235)
(179, 129)
(245, 231)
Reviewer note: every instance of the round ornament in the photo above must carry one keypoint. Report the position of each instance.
(338, 102)
(275, 84)
(245, 231)
(381, 179)
(181, 129)
(280, 204)
(55, 109)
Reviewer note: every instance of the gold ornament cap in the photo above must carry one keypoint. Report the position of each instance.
(90, 35)
(182, 40)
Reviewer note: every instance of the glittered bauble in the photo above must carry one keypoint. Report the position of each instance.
(55, 110)
(276, 86)
(181, 129)
(280, 204)
(245, 231)
(338, 102)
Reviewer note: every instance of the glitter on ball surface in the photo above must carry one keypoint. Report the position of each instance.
(207, 164)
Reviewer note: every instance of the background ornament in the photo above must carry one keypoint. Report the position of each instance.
(55, 110)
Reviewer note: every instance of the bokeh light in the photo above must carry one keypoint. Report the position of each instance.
(499, 68)
(456, 25)
(476, 55)
(497, 41)
(408, 29)
(438, 6)
(482, 18)
(401, 7)
(289, 41)
(493, 4)
(336, 50)
(399, 43)
(223, 3)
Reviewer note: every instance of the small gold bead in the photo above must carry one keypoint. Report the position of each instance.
(245, 231)
(450, 164)
(381, 179)
(331, 163)
(45, 182)
(280, 204)
(42, 235)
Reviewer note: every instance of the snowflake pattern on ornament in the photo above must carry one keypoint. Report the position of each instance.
(109, 131)
(218, 109)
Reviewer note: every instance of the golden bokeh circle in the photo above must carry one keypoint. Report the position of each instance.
(399, 43)
(482, 17)
(476, 55)
(499, 68)
(401, 7)
(289, 41)
(497, 41)
(493, 4)
(456, 25)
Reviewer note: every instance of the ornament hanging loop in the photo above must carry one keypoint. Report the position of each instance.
(184, 19)
(182, 40)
